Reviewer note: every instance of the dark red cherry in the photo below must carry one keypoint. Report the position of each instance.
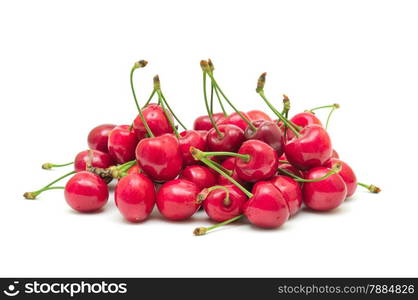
(230, 141)
(156, 120)
(220, 208)
(99, 136)
(202, 176)
(255, 115)
(122, 144)
(346, 173)
(177, 199)
(268, 207)
(326, 194)
(229, 164)
(291, 192)
(268, 132)
(261, 164)
(311, 149)
(86, 192)
(98, 160)
(187, 139)
(135, 197)
(203, 122)
(160, 157)
(235, 119)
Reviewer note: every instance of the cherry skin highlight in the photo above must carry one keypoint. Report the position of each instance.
(135, 197)
(155, 118)
(291, 192)
(267, 132)
(98, 137)
(187, 139)
(203, 122)
(86, 192)
(231, 140)
(122, 143)
(98, 160)
(202, 176)
(160, 157)
(256, 115)
(262, 164)
(177, 199)
(326, 194)
(346, 173)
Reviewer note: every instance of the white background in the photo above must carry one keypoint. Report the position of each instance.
(64, 68)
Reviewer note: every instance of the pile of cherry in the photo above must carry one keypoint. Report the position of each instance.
(233, 165)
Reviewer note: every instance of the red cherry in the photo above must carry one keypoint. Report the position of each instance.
(177, 199)
(261, 164)
(231, 139)
(203, 122)
(293, 170)
(267, 132)
(219, 208)
(346, 173)
(155, 118)
(202, 176)
(86, 192)
(311, 149)
(98, 160)
(99, 136)
(326, 194)
(160, 157)
(229, 164)
(291, 192)
(204, 134)
(334, 154)
(235, 119)
(268, 207)
(303, 120)
(135, 197)
(135, 170)
(255, 115)
(187, 139)
(122, 143)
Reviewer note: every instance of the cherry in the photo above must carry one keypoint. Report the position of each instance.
(268, 132)
(222, 202)
(160, 157)
(95, 158)
(290, 169)
(122, 143)
(202, 176)
(99, 136)
(256, 115)
(135, 197)
(236, 119)
(135, 170)
(346, 173)
(291, 192)
(304, 119)
(187, 139)
(156, 120)
(204, 123)
(229, 165)
(229, 138)
(325, 194)
(177, 199)
(86, 192)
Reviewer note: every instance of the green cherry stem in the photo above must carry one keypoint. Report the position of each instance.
(34, 194)
(245, 157)
(372, 188)
(205, 192)
(329, 115)
(203, 65)
(334, 170)
(283, 162)
(204, 230)
(162, 103)
(137, 65)
(48, 166)
(169, 108)
(211, 69)
(149, 99)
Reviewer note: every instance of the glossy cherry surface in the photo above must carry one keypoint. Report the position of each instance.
(202, 176)
(255, 115)
(346, 173)
(303, 120)
(177, 199)
(190, 138)
(160, 157)
(231, 139)
(268, 132)
(98, 137)
(218, 209)
(262, 164)
(326, 194)
(229, 164)
(291, 192)
(311, 149)
(135, 197)
(86, 192)
(122, 144)
(203, 122)
(98, 160)
(156, 119)
(235, 119)
(268, 207)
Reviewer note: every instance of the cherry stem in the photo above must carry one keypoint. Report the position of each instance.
(336, 105)
(162, 103)
(199, 155)
(211, 69)
(329, 116)
(205, 192)
(334, 170)
(207, 105)
(48, 166)
(372, 188)
(245, 157)
(203, 230)
(260, 91)
(149, 99)
(283, 162)
(34, 194)
(229, 172)
(113, 171)
(137, 65)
